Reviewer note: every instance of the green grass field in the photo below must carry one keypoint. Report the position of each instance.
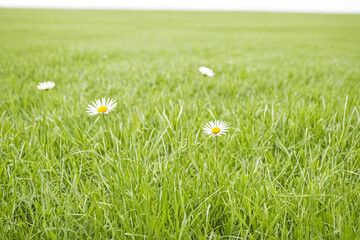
(287, 84)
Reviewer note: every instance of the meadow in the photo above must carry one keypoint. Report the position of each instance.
(288, 85)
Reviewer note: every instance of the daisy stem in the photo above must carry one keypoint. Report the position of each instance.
(186, 157)
(216, 151)
(44, 126)
(107, 130)
(216, 159)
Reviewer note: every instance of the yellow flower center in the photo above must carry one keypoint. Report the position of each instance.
(102, 109)
(215, 130)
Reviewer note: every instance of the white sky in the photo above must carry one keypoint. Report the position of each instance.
(333, 6)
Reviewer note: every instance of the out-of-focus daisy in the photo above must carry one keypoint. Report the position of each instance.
(46, 85)
(101, 107)
(207, 72)
(216, 128)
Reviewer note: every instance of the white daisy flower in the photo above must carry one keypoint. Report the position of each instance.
(206, 71)
(216, 128)
(102, 107)
(46, 85)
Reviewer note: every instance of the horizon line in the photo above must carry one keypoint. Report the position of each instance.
(181, 9)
